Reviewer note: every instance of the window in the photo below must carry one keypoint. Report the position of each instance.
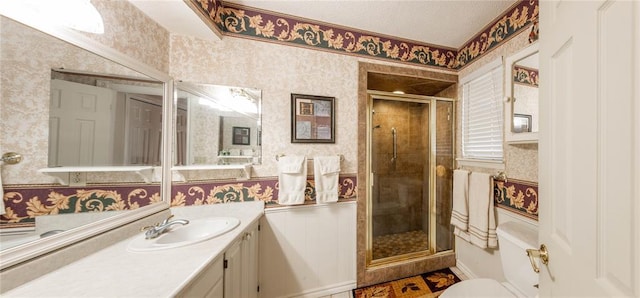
(482, 113)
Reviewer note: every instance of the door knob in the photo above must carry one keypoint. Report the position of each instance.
(538, 253)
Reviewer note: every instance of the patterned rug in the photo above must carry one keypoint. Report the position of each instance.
(429, 284)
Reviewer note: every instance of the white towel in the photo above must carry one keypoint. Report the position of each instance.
(325, 172)
(482, 218)
(292, 178)
(2, 211)
(460, 210)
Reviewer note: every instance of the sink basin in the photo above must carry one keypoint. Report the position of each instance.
(197, 230)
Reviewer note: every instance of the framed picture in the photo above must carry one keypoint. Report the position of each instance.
(312, 119)
(241, 136)
(521, 123)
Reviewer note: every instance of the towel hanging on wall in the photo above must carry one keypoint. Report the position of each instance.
(460, 210)
(482, 218)
(292, 179)
(326, 170)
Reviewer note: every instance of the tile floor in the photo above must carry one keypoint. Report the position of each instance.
(399, 244)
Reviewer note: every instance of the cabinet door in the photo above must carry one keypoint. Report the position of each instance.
(250, 264)
(209, 283)
(217, 290)
(233, 270)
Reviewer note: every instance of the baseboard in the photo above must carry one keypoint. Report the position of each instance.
(465, 270)
(327, 291)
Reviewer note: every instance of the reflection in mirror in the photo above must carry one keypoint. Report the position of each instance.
(34, 120)
(525, 94)
(104, 120)
(217, 125)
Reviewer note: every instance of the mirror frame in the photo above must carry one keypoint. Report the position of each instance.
(510, 136)
(27, 251)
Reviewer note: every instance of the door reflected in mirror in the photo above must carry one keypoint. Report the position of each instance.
(525, 94)
(217, 125)
(104, 120)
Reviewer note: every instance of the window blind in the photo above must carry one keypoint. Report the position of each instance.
(482, 114)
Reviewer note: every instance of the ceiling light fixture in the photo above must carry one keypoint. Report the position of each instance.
(75, 14)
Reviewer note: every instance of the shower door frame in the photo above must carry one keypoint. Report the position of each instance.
(431, 101)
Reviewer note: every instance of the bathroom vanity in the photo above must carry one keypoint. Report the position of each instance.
(224, 266)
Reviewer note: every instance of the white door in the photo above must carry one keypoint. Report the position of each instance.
(81, 125)
(144, 132)
(590, 148)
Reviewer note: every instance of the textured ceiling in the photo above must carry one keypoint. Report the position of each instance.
(448, 23)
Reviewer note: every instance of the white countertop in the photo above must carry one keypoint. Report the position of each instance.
(115, 271)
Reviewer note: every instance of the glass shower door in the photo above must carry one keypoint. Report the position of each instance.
(400, 166)
(411, 164)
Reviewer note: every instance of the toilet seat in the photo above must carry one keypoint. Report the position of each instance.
(477, 287)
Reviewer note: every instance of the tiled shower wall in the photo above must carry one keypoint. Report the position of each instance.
(399, 198)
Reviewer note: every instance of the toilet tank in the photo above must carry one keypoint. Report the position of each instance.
(514, 239)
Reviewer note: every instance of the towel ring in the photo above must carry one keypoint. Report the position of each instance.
(500, 176)
(11, 158)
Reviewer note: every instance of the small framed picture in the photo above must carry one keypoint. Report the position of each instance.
(241, 136)
(521, 123)
(312, 119)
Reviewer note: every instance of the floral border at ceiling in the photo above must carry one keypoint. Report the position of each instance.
(517, 196)
(206, 193)
(23, 204)
(518, 17)
(241, 21)
(525, 76)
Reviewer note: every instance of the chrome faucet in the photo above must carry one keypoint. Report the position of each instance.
(159, 228)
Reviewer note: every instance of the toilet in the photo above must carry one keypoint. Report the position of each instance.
(514, 239)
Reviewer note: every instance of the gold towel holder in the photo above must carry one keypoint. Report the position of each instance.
(11, 158)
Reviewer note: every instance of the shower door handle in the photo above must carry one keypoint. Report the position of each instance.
(394, 134)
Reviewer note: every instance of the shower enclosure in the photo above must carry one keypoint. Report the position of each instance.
(410, 161)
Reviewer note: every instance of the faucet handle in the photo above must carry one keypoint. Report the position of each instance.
(147, 228)
(167, 220)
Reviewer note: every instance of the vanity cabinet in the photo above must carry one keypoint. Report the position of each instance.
(241, 266)
(233, 274)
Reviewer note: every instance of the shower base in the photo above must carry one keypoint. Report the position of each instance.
(399, 244)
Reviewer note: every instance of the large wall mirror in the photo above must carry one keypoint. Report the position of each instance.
(216, 126)
(80, 119)
(104, 120)
(522, 112)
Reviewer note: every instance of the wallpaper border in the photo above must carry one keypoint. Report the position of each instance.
(525, 76)
(24, 203)
(247, 22)
(518, 196)
(266, 190)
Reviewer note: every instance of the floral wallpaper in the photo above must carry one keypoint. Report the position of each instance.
(519, 17)
(518, 196)
(241, 191)
(130, 31)
(525, 76)
(241, 21)
(24, 203)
